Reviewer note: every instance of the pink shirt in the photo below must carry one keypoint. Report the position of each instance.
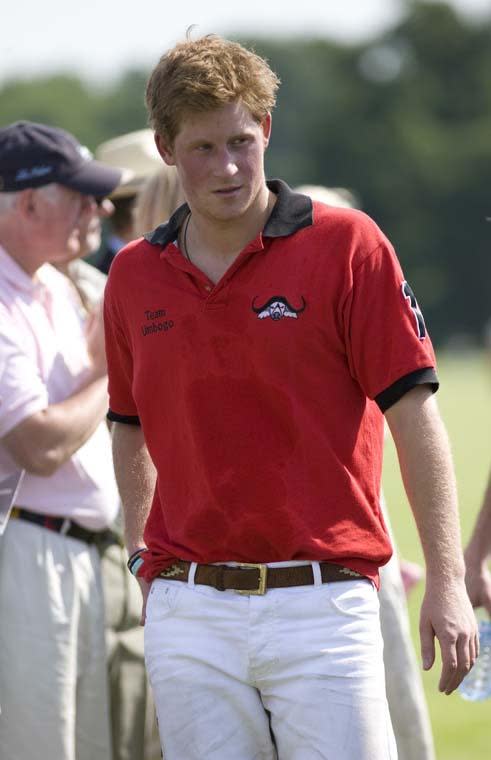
(43, 360)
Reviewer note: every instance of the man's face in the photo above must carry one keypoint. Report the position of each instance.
(219, 156)
(91, 226)
(63, 215)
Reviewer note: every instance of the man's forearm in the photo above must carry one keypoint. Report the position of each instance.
(48, 438)
(477, 554)
(427, 471)
(479, 547)
(136, 478)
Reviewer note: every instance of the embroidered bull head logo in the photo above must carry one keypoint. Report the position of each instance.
(277, 307)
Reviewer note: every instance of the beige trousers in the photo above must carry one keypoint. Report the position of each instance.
(53, 682)
(133, 723)
(407, 703)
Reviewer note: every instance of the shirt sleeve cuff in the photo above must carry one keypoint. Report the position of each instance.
(125, 419)
(397, 390)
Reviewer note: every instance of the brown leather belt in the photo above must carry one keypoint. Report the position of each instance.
(254, 578)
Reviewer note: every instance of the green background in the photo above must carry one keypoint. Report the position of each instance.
(462, 730)
(403, 119)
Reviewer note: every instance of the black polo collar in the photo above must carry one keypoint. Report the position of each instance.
(291, 212)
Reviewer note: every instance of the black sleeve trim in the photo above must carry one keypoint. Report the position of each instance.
(126, 419)
(388, 398)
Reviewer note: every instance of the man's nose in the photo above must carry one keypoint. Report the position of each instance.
(225, 163)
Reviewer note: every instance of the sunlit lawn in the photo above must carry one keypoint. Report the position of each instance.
(462, 730)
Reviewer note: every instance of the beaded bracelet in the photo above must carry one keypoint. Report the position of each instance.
(135, 561)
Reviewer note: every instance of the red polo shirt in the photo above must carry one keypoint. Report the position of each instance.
(261, 397)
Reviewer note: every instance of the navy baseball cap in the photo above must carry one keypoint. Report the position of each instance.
(33, 155)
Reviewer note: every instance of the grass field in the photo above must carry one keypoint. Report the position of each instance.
(462, 730)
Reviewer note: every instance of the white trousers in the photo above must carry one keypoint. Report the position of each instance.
(53, 682)
(296, 674)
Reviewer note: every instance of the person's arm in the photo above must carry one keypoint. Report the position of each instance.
(477, 554)
(427, 471)
(136, 478)
(44, 440)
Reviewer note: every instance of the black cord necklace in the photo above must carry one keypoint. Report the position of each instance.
(185, 239)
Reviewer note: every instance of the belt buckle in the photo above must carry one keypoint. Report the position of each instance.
(261, 589)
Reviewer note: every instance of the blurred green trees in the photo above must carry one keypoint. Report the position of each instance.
(92, 114)
(403, 120)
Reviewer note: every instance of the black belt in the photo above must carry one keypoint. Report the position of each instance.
(103, 538)
(256, 578)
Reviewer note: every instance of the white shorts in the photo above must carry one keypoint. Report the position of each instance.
(296, 674)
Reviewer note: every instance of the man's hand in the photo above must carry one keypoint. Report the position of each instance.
(145, 589)
(478, 582)
(447, 614)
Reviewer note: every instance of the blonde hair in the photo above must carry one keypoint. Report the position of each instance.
(157, 200)
(204, 74)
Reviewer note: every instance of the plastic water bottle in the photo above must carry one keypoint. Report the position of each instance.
(476, 686)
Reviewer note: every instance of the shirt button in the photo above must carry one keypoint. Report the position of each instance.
(208, 288)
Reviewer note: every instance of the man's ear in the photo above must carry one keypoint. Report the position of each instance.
(27, 203)
(164, 150)
(266, 127)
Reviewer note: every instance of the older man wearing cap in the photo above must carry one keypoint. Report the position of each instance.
(52, 405)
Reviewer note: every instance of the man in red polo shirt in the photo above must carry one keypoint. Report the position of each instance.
(254, 342)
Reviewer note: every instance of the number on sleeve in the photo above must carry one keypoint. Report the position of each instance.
(410, 298)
